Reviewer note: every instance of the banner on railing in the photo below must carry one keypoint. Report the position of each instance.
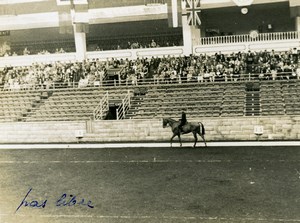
(241, 3)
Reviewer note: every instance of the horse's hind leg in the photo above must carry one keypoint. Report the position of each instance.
(196, 138)
(202, 136)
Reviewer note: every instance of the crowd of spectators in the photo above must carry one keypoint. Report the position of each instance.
(131, 43)
(263, 65)
(7, 49)
(59, 74)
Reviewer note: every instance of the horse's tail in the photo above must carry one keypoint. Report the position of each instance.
(202, 132)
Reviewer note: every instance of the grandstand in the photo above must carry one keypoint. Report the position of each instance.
(80, 75)
(154, 101)
(151, 65)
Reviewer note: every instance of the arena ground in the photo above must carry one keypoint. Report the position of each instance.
(150, 184)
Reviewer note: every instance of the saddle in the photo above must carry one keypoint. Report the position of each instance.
(182, 126)
(180, 122)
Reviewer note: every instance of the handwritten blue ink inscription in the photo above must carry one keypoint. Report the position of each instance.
(71, 201)
(33, 203)
(64, 200)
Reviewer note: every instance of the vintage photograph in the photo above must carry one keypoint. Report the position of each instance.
(149, 111)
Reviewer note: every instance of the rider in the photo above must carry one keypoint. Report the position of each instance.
(183, 121)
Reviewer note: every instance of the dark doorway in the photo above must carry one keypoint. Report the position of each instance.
(112, 112)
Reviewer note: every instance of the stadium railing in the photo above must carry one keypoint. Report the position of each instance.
(150, 81)
(275, 36)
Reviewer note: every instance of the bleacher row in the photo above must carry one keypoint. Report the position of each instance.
(280, 98)
(70, 105)
(157, 101)
(196, 100)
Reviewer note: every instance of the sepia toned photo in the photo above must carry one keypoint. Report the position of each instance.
(149, 111)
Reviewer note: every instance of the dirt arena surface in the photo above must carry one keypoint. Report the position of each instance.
(114, 185)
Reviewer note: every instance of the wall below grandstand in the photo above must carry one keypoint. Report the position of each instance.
(217, 129)
(39, 132)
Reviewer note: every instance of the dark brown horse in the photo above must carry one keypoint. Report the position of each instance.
(195, 128)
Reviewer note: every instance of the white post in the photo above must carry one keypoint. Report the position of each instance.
(297, 24)
(187, 36)
(80, 43)
(123, 108)
(80, 20)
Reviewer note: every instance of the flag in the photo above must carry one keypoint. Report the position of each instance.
(193, 12)
(174, 13)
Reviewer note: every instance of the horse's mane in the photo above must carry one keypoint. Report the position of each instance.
(172, 120)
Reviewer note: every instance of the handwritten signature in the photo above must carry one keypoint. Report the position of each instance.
(64, 200)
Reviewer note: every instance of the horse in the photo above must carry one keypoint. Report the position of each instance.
(195, 128)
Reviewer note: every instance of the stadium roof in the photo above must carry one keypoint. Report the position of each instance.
(27, 14)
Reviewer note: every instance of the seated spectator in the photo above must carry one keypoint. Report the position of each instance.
(206, 76)
(261, 76)
(267, 73)
(190, 73)
(26, 51)
(236, 74)
(212, 74)
(135, 45)
(83, 83)
(132, 79)
(47, 83)
(128, 45)
(200, 77)
(43, 52)
(153, 44)
(294, 53)
(5, 49)
(173, 76)
(61, 50)
(273, 74)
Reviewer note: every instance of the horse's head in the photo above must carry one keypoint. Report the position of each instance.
(165, 122)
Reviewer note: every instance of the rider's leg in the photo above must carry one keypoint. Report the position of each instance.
(180, 127)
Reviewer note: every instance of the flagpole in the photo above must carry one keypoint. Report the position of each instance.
(174, 13)
(186, 31)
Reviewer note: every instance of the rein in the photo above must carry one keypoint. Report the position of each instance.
(170, 121)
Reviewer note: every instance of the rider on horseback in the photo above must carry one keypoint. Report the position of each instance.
(183, 121)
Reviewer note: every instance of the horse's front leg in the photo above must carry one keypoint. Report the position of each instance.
(172, 139)
(179, 140)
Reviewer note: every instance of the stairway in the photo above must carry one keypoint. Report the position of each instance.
(252, 107)
(36, 105)
(135, 104)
